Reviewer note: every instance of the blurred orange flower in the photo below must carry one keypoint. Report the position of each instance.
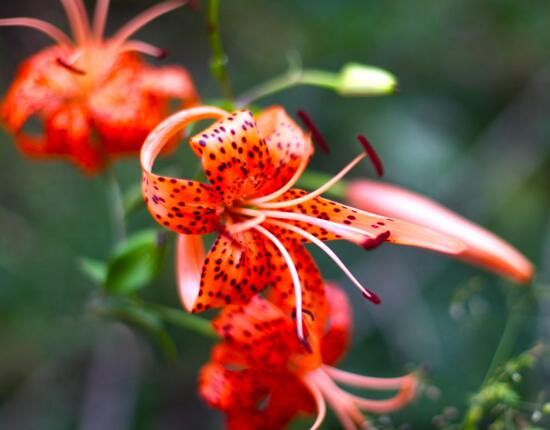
(96, 97)
(253, 165)
(483, 248)
(262, 377)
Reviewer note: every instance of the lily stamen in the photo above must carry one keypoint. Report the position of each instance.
(325, 187)
(100, 18)
(78, 19)
(143, 48)
(144, 18)
(295, 280)
(45, 27)
(366, 293)
(246, 225)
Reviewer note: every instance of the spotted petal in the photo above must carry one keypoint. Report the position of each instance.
(289, 147)
(233, 155)
(377, 227)
(235, 270)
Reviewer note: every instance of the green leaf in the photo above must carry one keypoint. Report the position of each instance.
(136, 262)
(94, 270)
(361, 80)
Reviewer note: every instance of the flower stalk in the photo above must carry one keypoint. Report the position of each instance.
(218, 60)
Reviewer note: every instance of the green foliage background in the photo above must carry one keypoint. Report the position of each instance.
(469, 127)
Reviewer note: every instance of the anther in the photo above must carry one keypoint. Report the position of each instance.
(306, 345)
(369, 295)
(70, 67)
(304, 311)
(376, 162)
(317, 136)
(372, 243)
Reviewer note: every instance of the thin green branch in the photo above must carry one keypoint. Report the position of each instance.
(291, 78)
(116, 205)
(218, 60)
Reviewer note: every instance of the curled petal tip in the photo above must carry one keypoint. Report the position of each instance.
(474, 244)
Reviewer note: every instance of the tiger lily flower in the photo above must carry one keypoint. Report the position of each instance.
(483, 248)
(262, 378)
(96, 97)
(252, 165)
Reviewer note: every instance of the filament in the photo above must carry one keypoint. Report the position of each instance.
(318, 191)
(295, 279)
(144, 18)
(100, 18)
(319, 402)
(245, 225)
(45, 27)
(143, 47)
(366, 293)
(369, 382)
(77, 18)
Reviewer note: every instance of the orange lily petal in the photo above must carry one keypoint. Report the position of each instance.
(253, 400)
(264, 335)
(482, 247)
(288, 147)
(340, 322)
(233, 155)
(69, 128)
(400, 232)
(189, 260)
(39, 86)
(234, 271)
(187, 207)
(170, 82)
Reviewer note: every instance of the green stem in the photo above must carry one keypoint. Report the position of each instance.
(287, 80)
(218, 60)
(509, 334)
(182, 319)
(116, 205)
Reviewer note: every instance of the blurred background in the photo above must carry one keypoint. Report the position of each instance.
(469, 127)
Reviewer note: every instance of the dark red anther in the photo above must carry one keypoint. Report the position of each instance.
(369, 295)
(375, 242)
(372, 155)
(71, 68)
(317, 136)
(306, 345)
(304, 311)
(162, 54)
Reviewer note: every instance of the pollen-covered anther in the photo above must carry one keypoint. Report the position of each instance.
(372, 243)
(373, 155)
(316, 134)
(70, 67)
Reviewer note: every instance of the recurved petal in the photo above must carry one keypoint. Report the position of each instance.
(337, 336)
(378, 228)
(187, 207)
(264, 335)
(170, 82)
(254, 399)
(287, 397)
(69, 130)
(233, 155)
(483, 248)
(288, 145)
(234, 271)
(189, 260)
(39, 87)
